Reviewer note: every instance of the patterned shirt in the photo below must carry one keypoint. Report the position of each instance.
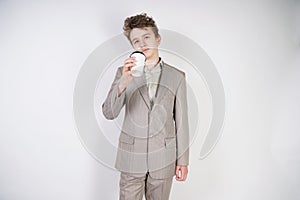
(152, 78)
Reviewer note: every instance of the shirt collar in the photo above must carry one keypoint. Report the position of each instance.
(156, 68)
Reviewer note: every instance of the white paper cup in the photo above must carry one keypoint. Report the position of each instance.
(140, 59)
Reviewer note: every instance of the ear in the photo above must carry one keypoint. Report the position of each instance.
(158, 39)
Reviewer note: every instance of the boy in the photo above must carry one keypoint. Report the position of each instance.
(154, 140)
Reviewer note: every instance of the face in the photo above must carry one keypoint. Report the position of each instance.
(143, 39)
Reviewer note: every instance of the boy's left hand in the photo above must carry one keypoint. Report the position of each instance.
(181, 172)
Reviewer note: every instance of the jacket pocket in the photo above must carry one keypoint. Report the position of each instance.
(170, 142)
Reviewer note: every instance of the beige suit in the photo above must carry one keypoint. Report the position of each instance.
(154, 135)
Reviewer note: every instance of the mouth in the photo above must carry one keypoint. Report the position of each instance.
(144, 50)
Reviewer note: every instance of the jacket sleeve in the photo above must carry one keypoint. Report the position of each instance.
(181, 124)
(114, 102)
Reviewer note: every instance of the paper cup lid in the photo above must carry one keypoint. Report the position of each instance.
(138, 52)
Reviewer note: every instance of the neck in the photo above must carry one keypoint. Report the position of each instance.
(150, 63)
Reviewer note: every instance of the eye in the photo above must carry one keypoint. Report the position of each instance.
(136, 41)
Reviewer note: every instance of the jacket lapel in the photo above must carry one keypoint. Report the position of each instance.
(163, 84)
(162, 89)
(141, 84)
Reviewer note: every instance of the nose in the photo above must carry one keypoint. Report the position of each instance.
(142, 44)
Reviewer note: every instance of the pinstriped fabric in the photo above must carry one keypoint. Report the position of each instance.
(154, 136)
(134, 188)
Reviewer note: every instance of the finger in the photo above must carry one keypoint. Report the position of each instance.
(126, 69)
(179, 175)
(128, 66)
(129, 60)
(177, 172)
(128, 73)
(184, 176)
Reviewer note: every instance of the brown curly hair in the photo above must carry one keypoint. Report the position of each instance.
(139, 21)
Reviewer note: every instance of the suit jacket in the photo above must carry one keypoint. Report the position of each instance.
(154, 135)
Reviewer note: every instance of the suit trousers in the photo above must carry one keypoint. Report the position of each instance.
(133, 188)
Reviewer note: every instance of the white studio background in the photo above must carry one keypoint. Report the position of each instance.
(255, 46)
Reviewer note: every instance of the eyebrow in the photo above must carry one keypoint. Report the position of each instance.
(142, 36)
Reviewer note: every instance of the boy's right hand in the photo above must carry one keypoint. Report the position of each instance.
(126, 77)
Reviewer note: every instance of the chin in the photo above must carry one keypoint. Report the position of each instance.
(148, 54)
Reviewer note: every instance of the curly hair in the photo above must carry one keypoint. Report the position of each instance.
(139, 21)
